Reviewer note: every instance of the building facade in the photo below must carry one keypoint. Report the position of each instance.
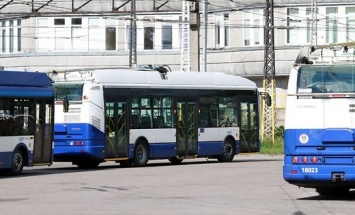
(39, 35)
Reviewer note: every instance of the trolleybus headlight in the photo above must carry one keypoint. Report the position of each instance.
(295, 160)
(304, 159)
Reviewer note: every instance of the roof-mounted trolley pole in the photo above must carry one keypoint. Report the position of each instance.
(268, 124)
(133, 36)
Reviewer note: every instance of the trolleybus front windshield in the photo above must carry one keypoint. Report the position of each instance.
(326, 79)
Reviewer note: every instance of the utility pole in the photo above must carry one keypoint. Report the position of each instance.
(314, 22)
(185, 36)
(133, 35)
(204, 38)
(269, 74)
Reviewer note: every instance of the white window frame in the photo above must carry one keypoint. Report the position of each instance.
(221, 30)
(253, 27)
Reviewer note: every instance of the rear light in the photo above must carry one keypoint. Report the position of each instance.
(295, 160)
(77, 143)
(314, 160)
(293, 171)
(338, 96)
(304, 159)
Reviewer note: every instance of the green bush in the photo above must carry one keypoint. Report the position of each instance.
(270, 147)
(274, 147)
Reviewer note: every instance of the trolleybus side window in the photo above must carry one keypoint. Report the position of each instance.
(208, 112)
(227, 112)
(162, 112)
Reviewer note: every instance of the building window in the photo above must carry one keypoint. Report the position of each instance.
(3, 36)
(253, 31)
(350, 24)
(60, 34)
(149, 38)
(78, 37)
(226, 29)
(293, 22)
(299, 23)
(167, 37)
(110, 39)
(11, 36)
(221, 30)
(19, 33)
(44, 35)
(94, 34)
(331, 25)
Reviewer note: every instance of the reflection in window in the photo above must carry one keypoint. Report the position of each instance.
(17, 117)
(167, 37)
(149, 38)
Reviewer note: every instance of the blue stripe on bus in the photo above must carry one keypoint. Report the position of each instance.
(8, 91)
(5, 160)
(162, 150)
(210, 148)
(67, 135)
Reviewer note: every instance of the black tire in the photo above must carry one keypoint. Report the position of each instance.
(90, 164)
(228, 151)
(332, 191)
(175, 160)
(17, 162)
(141, 154)
(126, 163)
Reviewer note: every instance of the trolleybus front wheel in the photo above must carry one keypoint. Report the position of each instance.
(228, 151)
(17, 162)
(89, 164)
(175, 160)
(141, 154)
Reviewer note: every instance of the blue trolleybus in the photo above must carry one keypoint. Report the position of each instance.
(320, 120)
(131, 116)
(26, 120)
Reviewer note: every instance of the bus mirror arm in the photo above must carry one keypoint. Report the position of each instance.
(266, 96)
(65, 105)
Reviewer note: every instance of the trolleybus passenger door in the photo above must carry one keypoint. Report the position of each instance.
(116, 143)
(186, 128)
(249, 132)
(43, 129)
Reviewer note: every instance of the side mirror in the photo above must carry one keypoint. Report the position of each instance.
(65, 105)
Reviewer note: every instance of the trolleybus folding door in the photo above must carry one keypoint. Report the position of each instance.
(249, 132)
(186, 128)
(116, 141)
(43, 150)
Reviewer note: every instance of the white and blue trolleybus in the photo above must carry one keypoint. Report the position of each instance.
(131, 116)
(320, 120)
(26, 120)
